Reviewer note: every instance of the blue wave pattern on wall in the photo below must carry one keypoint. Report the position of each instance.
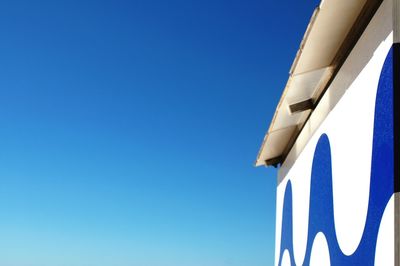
(321, 215)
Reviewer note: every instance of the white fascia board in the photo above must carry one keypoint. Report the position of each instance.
(328, 28)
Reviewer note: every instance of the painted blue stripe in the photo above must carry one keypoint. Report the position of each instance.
(321, 215)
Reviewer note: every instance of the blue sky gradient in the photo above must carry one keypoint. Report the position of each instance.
(128, 130)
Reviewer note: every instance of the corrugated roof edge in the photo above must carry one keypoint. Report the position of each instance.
(306, 34)
(365, 15)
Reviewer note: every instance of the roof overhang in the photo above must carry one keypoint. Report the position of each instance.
(334, 28)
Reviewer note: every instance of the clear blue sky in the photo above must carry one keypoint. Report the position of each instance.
(128, 130)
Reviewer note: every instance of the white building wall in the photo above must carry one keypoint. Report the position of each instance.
(346, 115)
